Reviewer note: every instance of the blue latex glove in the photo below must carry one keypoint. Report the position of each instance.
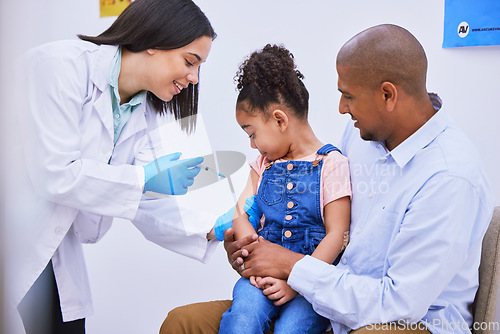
(253, 212)
(226, 220)
(223, 223)
(174, 176)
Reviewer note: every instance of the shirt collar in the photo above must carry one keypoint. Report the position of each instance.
(137, 98)
(405, 151)
(115, 73)
(102, 62)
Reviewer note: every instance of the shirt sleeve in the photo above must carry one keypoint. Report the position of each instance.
(336, 178)
(259, 165)
(431, 245)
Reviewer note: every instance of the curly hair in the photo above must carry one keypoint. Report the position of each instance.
(270, 76)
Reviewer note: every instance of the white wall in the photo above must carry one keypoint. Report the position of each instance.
(135, 283)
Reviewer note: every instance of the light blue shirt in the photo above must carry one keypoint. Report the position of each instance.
(121, 113)
(419, 214)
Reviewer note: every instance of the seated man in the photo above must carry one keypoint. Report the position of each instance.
(420, 207)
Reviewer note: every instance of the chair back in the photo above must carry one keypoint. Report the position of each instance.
(489, 274)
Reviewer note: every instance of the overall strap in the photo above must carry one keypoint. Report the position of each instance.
(327, 149)
(322, 152)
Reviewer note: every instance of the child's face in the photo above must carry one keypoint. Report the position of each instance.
(265, 134)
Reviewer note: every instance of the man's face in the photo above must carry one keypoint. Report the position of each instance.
(363, 103)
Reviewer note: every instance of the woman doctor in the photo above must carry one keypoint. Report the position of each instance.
(92, 105)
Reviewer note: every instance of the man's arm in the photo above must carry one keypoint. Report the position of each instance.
(430, 248)
(433, 243)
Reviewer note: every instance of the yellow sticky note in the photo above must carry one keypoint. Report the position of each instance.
(113, 7)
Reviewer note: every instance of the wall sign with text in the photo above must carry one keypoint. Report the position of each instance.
(113, 7)
(471, 23)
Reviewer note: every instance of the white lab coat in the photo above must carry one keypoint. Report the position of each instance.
(69, 145)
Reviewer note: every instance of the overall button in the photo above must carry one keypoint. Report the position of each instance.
(289, 166)
(288, 234)
(289, 205)
(289, 186)
(288, 217)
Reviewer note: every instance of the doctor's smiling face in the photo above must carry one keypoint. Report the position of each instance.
(171, 71)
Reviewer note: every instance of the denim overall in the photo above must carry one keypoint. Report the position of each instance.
(289, 197)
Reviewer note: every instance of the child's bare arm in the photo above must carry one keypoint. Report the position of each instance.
(337, 217)
(241, 225)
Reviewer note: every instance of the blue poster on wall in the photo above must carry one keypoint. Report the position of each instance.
(471, 23)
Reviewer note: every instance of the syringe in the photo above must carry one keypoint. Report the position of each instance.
(211, 170)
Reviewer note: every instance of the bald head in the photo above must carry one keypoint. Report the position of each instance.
(386, 53)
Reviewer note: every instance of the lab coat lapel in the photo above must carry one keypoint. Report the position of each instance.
(102, 106)
(100, 76)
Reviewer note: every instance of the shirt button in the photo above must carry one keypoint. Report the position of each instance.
(288, 234)
(117, 116)
(358, 230)
(288, 217)
(344, 261)
(289, 205)
(59, 230)
(289, 166)
(289, 186)
(383, 160)
(370, 195)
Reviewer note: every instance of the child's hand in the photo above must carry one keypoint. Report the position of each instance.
(254, 280)
(276, 289)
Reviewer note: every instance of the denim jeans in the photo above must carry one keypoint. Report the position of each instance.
(252, 312)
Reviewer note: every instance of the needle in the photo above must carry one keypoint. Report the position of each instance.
(210, 169)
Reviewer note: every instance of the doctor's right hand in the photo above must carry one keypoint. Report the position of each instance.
(169, 175)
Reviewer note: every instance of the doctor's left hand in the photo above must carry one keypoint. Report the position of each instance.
(169, 175)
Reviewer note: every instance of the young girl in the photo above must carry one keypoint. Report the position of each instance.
(302, 188)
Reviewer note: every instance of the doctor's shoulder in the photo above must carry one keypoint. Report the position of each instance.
(63, 48)
(77, 60)
(82, 54)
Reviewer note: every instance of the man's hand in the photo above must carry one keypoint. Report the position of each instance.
(264, 259)
(276, 289)
(235, 253)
